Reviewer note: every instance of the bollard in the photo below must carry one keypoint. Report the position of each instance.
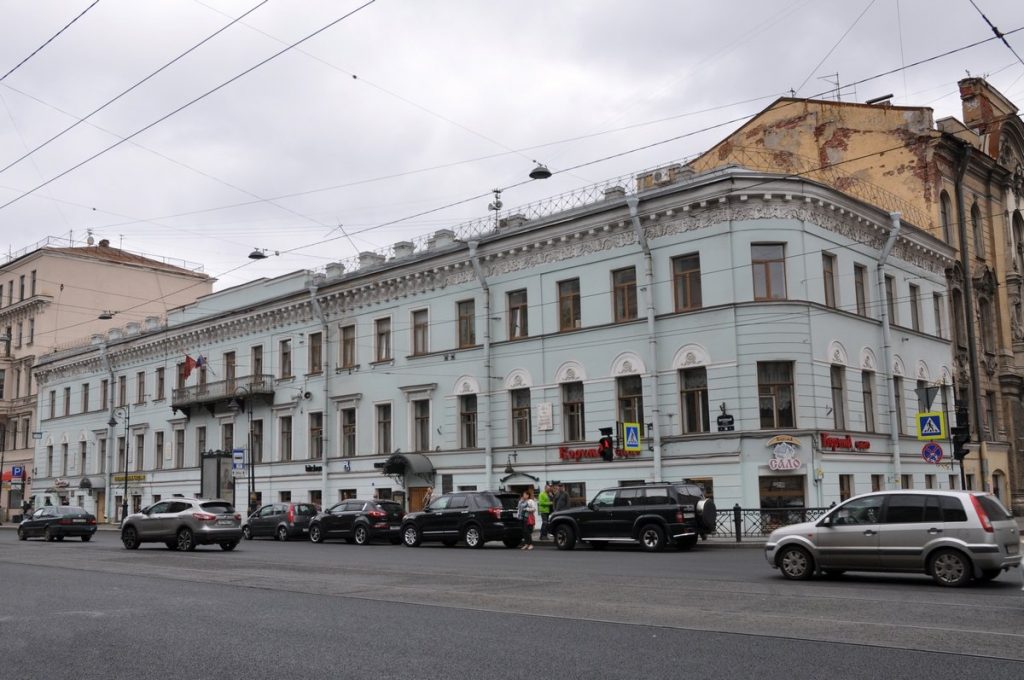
(737, 522)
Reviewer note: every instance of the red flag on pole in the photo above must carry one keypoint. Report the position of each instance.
(190, 364)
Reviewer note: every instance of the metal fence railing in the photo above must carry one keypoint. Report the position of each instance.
(759, 522)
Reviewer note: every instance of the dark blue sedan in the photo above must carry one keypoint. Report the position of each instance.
(54, 522)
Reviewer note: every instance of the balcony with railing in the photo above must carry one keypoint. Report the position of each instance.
(208, 394)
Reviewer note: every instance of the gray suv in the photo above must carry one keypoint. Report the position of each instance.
(184, 523)
(953, 536)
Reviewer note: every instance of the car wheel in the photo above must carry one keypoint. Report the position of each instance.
(50, 536)
(247, 532)
(473, 536)
(989, 574)
(282, 534)
(652, 538)
(795, 563)
(86, 539)
(411, 535)
(228, 546)
(186, 541)
(22, 536)
(361, 536)
(171, 545)
(130, 538)
(315, 535)
(950, 568)
(510, 542)
(565, 537)
(686, 543)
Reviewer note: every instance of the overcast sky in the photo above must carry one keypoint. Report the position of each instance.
(410, 105)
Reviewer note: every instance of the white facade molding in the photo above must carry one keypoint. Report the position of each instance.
(570, 371)
(465, 384)
(691, 355)
(627, 363)
(868, 362)
(518, 379)
(898, 367)
(837, 353)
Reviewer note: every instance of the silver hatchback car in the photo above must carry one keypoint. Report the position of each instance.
(953, 536)
(184, 523)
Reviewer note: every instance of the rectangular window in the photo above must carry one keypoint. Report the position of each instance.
(838, 377)
(630, 399)
(467, 323)
(21, 288)
(83, 455)
(32, 283)
(517, 316)
(104, 394)
(521, 428)
(828, 270)
(158, 451)
(686, 282)
(256, 354)
(122, 464)
(693, 399)
(85, 397)
(915, 307)
(868, 397)
(421, 425)
(467, 421)
(316, 348)
(348, 346)
(890, 299)
(316, 435)
(67, 401)
(256, 441)
(624, 291)
(17, 344)
(230, 370)
(285, 347)
(63, 460)
(122, 390)
(31, 331)
(348, 432)
(877, 482)
(897, 388)
(569, 305)
(179, 449)
(140, 387)
(930, 481)
(768, 261)
(140, 451)
(383, 428)
(906, 481)
(988, 405)
(420, 332)
(200, 442)
(937, 313)
(53, 403)
(383, 339)
(227, 436)
(953, 479)
(860, 288)
(101, 455)
(284, 445)
(49, 460)
(160, 384)
(573, 412)
(845, 487)
(775, 394)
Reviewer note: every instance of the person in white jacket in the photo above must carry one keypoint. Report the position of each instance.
(527, 511)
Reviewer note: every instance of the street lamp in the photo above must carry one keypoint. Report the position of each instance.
(123, 412)
(245, 391)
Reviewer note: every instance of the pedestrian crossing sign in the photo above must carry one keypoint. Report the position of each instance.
(931, 426)
(632, 436)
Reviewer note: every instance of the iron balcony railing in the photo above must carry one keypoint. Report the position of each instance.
(222, 390)
(759, 522)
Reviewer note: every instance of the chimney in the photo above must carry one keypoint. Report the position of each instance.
(335, 269)
(442, 238)
(404, 249)
(151, 323)
(612, 193)
(985, 110)
(369, 259)
(512, 222)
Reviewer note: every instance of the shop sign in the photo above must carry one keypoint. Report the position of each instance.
(61, 483)
(119, 478)
(784, 449)
(843, 441)
(565, 453)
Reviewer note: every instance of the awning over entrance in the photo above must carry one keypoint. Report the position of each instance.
(407, 465)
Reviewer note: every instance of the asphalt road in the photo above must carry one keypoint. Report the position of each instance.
(298, 610)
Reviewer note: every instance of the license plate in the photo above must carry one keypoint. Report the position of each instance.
(78, 521)
(1013, 548)
(224, 522)
(395, 527)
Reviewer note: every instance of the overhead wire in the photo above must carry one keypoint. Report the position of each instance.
(48, 41)
(997, 32)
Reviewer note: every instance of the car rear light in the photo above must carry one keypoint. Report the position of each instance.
(238, 516)
(92, 520)
(495, 511)
(64, 520)
(291, 514)
(377, 514)
(204, 517)
(679, 516)
(986, 524)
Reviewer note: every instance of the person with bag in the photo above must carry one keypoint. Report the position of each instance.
(527, 513)
(544, 503)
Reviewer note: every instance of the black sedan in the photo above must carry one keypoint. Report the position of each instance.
(54, 522)
(358, 522)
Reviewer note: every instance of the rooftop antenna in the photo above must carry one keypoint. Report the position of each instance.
(89, 239)
(828, 79)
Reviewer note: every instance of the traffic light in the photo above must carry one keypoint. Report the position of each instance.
(960, 434)
(605, 447)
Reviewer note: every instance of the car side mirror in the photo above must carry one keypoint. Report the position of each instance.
(590, 505)
(825, 521)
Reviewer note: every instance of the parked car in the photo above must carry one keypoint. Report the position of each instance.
(359, 521)
(282, 520)
(474, 517)
(184, 523)
(653, 515)
(54, 522)
(953, 536)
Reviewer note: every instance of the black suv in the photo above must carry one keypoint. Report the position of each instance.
(358, 522)
(471, 516)
(653, 515)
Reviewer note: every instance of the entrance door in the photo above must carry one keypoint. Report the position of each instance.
(416, 494)
(101, 507)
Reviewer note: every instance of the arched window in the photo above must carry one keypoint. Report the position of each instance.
(978, 228)
(946, 217)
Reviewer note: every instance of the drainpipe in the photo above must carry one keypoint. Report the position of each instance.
(652, 343)
(325, 350)
(894, 430)
(488, 448)
(111, 442)
(972, 337)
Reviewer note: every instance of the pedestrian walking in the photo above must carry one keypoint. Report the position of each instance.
(544, 508)
(561, 501)
(526, 511)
